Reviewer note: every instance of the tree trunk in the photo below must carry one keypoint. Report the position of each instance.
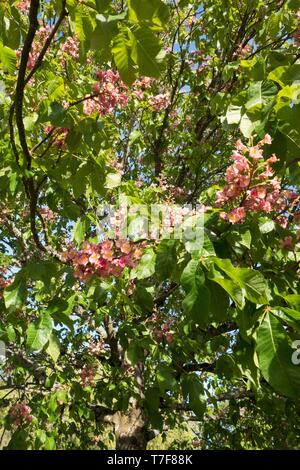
(130, 430)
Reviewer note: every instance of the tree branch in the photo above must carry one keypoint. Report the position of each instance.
(47, 44)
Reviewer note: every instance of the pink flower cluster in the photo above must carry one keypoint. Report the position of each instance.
(109, 258)
(40, 39)
(3, 281)
(47, 214)
(20, 412)
(170, 190)
(287, 244)
(252, 187)
(190, 22)
(162, 332)
(297, 33)
(160, 102)
(97, 348)
(60, 134)
(87, 375)
(24, 6)
(71, 47)
(108, 93)
(140, 85)
(243, 51)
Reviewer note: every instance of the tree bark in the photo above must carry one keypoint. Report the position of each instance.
(130, 430)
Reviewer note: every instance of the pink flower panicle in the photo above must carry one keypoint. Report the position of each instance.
(20, 413)
(163, 332)
(71, 47)
(24, 6)
(297, 33)
(252, 187)
(4, 282)
(60, 134)
(87, 375)
(160, 102)
(140, 86)
(108, 93)
(109, 258)
(37, 45)
(47, 214)
(287, 244)
(242, 51)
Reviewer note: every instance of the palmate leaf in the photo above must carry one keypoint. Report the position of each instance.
(275, 357)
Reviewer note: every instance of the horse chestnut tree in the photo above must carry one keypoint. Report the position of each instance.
(164, 103)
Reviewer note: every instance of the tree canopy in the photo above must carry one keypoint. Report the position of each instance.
(171, 112)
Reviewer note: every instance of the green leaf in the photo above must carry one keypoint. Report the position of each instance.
(83, 25)
(255, 285)
(219, 302)
(8, 58)
(134, 352)
(153, 11)
(145, 51)
(50, 443)
(59, 115)
(288, 124)
(166, 259)
(42, 271)
(226, 367)
(289, 316)
(197, 302)
(60, 310)
(30, 121)
(39, 332)
(165, 378)
(152, 405)
(146, 266)
(252, 281)
(143, 298)
(113, 180)
(285, 75)
(122, 49)
(11, 334)
(275, 357)
(192, 275)
(233, 114)
(193, 393)
(79, 230)
(53, 347)
(241, 238)
(266, 226)
(232, 289)
(293, 300)
(247, 126)
(15, 294)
